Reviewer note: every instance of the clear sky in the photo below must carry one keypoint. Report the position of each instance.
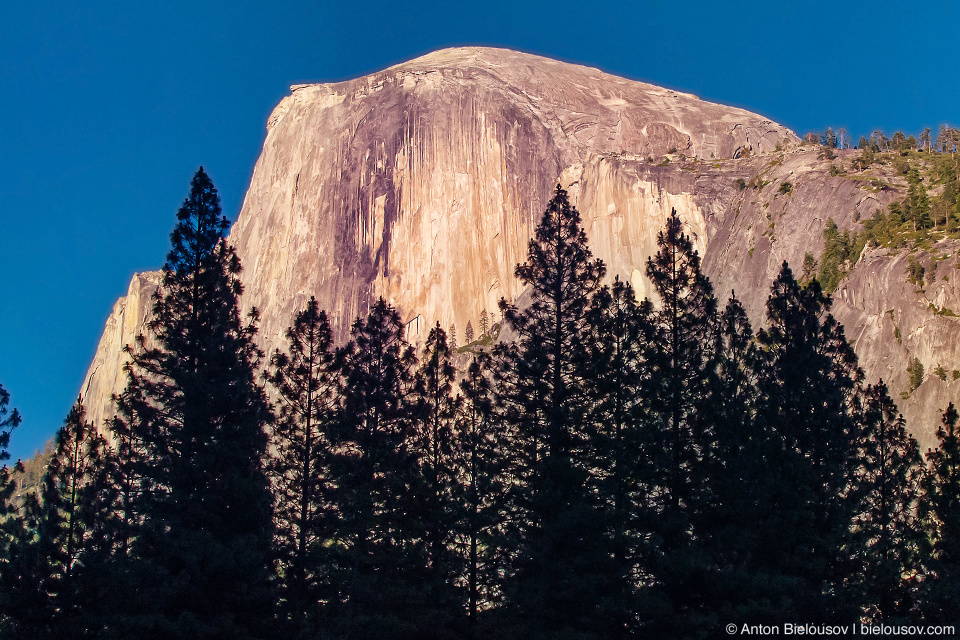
(107, 107)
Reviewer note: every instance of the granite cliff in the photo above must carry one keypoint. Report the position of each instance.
(422, 184)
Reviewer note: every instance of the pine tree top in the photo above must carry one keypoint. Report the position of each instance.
(200, 227)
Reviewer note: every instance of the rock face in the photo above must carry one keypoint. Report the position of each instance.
(892, 321)
(423, 184)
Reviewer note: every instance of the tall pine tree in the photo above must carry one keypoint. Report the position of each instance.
(563, 574)
(438, 410)
(68, 518)
(195, 419)
(12, 529)
(682, 353)
(479, 459)
(807, 384)
(942, 499)
(733, 524)
(622, 457)
(306, 378)
(378, 484)
(683, 348)
(9, 420)
(886, 533)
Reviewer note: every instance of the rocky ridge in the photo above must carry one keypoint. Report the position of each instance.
(423, 183)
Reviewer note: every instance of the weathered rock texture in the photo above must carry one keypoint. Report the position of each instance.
(891, 321)
(423, 184)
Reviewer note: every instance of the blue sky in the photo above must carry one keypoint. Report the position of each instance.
(107, 108)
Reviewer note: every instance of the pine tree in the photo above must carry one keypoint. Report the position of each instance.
(53, 574)
(684, 347)
(7, 424)
(484, 323)
(886, 530)
(562, 569)
(195, 420)
(479, 459)
(12, 529)
(942, 500)
(68, 518)
(306, 378)
(623, 380)
(378, 485)
(733, 525)
(469, 332)
(682, 353)
(437, 412)
(808, 378)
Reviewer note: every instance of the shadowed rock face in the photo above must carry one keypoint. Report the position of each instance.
(423, 184)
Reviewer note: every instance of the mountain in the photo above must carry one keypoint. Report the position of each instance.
(422, 183)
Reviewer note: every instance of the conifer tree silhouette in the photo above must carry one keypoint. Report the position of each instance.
(682, 353)
(13, 532)
(808, 379)
(378, 482)
(562, 572)
(7, 424)
(194, 418)
(685, 322)
(622, 459)
(942, 506)
(886, 531)
(306, 377)
(479, 459)
(437, 411)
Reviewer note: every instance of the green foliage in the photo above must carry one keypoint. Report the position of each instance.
(915, 371)
(840, 251)
(915, 271)
(917, 217)
(810, 265)
(940, 372)
(829, 139)
(901, 165)
(785, 188)
(740, 183)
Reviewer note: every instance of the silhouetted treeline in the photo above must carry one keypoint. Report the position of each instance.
(622, 468)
